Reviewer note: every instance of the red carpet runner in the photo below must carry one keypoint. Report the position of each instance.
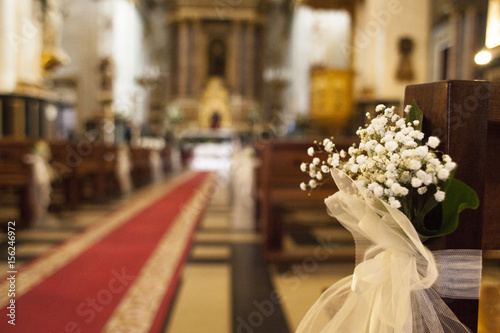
(120, 282)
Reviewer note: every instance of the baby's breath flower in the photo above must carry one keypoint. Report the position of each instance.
(439, 195)
(414, 165)
(303, 186)
(443, 174)
(391, 145)
(422, 190)
(416, 182)
(394, 202)
(391, 161)
(433, 141)
(450, 166)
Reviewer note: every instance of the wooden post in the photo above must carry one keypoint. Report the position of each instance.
(457, 112)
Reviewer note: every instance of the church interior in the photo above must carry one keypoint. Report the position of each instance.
(154, 146)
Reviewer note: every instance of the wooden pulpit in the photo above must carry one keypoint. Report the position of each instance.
(465, 116)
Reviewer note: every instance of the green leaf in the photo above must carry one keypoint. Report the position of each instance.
(415, 114)
(459, 196)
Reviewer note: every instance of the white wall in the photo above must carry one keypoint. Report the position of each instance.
(79, 40)
(379, 26)
(128, 53)
(93, 31)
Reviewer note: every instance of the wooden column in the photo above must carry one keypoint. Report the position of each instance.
(457, 112)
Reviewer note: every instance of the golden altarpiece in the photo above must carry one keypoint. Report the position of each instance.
(216, 61)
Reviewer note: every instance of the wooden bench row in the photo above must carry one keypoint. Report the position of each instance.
(81, 171)
(278, 179)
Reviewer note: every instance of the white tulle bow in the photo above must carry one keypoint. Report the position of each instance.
(391, 288)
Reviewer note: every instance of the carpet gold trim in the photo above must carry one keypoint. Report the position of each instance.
(137, 310)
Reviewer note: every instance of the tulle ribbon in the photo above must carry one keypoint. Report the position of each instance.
(393, 286)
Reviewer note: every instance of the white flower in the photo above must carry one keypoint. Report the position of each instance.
(376, 189)
(421, 151)
(439, 195)
(450, 166)
(424, 177)
(325, 169)
(391, 145)
(407, 108)
(422, 190)
(405, 177)
(433, 141)
(379, 149)
(361, 159)
(303, 167)
(416, 182)
(414, 164)
(310, 151)
(399, 190)
(416, 122)
(394, 202)
(316, 161)
(354, 168)
(319, 175)
(380, 108)
(443, 174)
(329, 147)
(303, 186)
(342, 153)
(312, 183)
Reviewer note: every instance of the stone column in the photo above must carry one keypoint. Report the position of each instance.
(8, 59)
(233, 58)
(182, 57)
(199, 58)
(250, 59)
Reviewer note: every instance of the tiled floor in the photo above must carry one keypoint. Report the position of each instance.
(226, 285)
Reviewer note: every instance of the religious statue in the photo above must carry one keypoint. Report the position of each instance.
(53, 55)
(405, 70)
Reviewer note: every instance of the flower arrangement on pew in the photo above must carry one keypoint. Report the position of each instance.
(395, 164)
(395, 190)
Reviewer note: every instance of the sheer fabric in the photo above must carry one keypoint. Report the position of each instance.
(390, 290)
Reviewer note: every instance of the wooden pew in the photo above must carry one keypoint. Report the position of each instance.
(141, 172)
(16, 173)
(465, 116)
(98, 165)
(278, 180)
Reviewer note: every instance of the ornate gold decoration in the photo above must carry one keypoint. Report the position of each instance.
(215, 104)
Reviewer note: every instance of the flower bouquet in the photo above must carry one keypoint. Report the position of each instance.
(395, 191)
